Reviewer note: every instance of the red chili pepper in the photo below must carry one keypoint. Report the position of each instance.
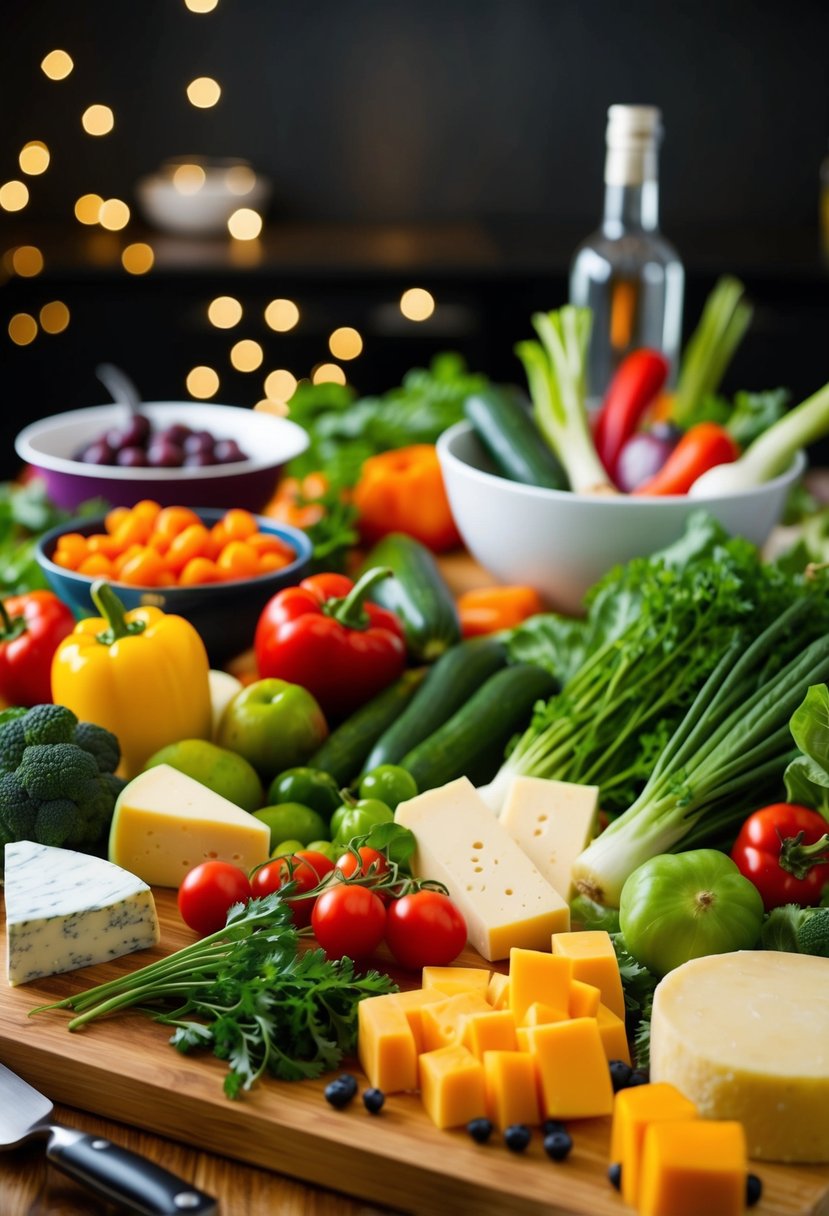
(637, 381)
(699, 449)
(784, 849)
(324, 636)
(31, 627)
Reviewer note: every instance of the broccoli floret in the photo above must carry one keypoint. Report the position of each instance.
(95, 805)
(57, 822)
(813, 932)
(100, 743)
(17, 811)
(797, 930)
(12, 744)
(55, 770)
(112, 783)
(49, 724)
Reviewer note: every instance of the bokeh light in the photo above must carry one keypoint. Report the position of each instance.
(54, 317)
(22, 329)
(27, 261)
(14, 196)
(245, 224)
(224, 312)
(137, 258)
(246, 355)
(280, 385)
(57, 65)
(114, 215)
(188, 179)
(328, 373)
(240, 179)
(88, 208)
(34, 157)
(98, 120)
(417, 304)
(202, 382)
(281, 315)
(345, 343)
(201, 6)
(203, 92)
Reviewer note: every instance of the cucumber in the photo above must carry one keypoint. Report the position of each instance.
(417, 594)
(448, 685)
(509, 435)
(472, 742)
(343, 752)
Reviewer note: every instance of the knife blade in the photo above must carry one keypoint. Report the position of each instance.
(112, 1171)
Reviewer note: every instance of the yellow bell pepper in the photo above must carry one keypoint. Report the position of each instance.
(142, 674)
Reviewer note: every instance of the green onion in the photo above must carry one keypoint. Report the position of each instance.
(725, 319)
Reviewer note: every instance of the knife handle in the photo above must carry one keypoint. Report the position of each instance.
(124, 1177)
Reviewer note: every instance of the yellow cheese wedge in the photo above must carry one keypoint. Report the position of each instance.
(693, 1168)
(552, 821)
(505, 901)
(746, 1037)
(165, 823)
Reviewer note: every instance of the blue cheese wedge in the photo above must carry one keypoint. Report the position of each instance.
(66, 910)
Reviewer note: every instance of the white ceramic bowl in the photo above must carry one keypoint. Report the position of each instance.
(203, 211)
(267, 440)
(562, 543)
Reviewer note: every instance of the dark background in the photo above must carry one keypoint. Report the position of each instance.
(454, 145)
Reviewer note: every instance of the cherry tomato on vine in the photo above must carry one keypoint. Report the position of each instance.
(425, 929)
(208, 891)
(348, 919)
(307, 869)
(757, 851)
(370, 861)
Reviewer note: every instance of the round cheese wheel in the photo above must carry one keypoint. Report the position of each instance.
(746, 1036)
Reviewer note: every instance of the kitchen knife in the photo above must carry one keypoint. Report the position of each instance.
(114, 1172)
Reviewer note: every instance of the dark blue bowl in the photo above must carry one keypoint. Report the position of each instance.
(225, 614)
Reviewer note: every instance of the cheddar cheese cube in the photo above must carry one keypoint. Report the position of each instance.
(412, 1003)
(510, 1088)
(573, 1077)
(693, 1167)
(443, 1022)
(491, 1031)
(452, 980)
(385, 1044)
(536, 976)
(539, 1014)
(584, 1000)
(613, 1034)
(594, 962)
(634, 1110)
(452, 1086)
(497, 992)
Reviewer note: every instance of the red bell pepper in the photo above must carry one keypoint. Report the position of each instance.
(31, 627)
(634, 387)
(701, 448)
(325, 636)
(784, 850)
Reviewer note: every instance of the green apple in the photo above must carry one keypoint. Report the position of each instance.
(273, 724)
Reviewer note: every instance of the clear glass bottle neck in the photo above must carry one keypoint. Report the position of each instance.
(631, 208)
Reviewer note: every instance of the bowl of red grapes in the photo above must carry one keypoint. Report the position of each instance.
(194, 454)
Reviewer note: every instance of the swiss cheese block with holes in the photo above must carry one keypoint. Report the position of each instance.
(553, 822)
(746, 1037)
(504, 899)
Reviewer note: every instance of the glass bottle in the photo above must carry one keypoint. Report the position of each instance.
(626, 272)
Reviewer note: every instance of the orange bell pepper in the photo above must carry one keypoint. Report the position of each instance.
(403, 491)
(488, 609)
(295, 501)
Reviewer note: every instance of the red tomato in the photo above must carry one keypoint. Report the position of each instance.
(371, 862)
(757, 848)
(348, 920)
(307, 869)
(425, 929)
(208, 891)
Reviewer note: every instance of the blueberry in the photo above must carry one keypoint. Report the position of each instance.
(480, 1130)
(614, 1175)
(517, 1136)
(620, 1074)
(552, 1125)
(754, 1189)
(373, 1100)
(557, 1145)
(638, 1077)
(341, 1091)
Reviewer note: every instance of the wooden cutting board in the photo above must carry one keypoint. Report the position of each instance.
(125, 1069)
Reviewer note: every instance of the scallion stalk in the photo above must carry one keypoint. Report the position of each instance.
(724, 321)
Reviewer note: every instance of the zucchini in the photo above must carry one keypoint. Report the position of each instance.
(513, 441)
(448, 685)
(343, 752)
(472, 742)
(417, 593)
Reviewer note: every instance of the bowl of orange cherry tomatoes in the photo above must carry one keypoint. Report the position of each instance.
(216, 568)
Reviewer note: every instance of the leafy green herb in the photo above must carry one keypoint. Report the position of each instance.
(638, 985)
(26, 512)
(807, 777)
(247, 994)
(797, 930)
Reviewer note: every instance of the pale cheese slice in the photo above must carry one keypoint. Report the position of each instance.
(165, 823)
(745, 1036)
(66, 910)
(553, 822)
(505, 901)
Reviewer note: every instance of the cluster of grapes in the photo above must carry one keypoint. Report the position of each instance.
(136, 446)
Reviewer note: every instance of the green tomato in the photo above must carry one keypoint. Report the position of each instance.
(351, 821)
(680, 906)
(274, 725)
(309, 786)
(390, 783)
(286, 847)
(292, 821)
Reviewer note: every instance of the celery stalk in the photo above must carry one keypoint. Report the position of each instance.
(725, 319)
